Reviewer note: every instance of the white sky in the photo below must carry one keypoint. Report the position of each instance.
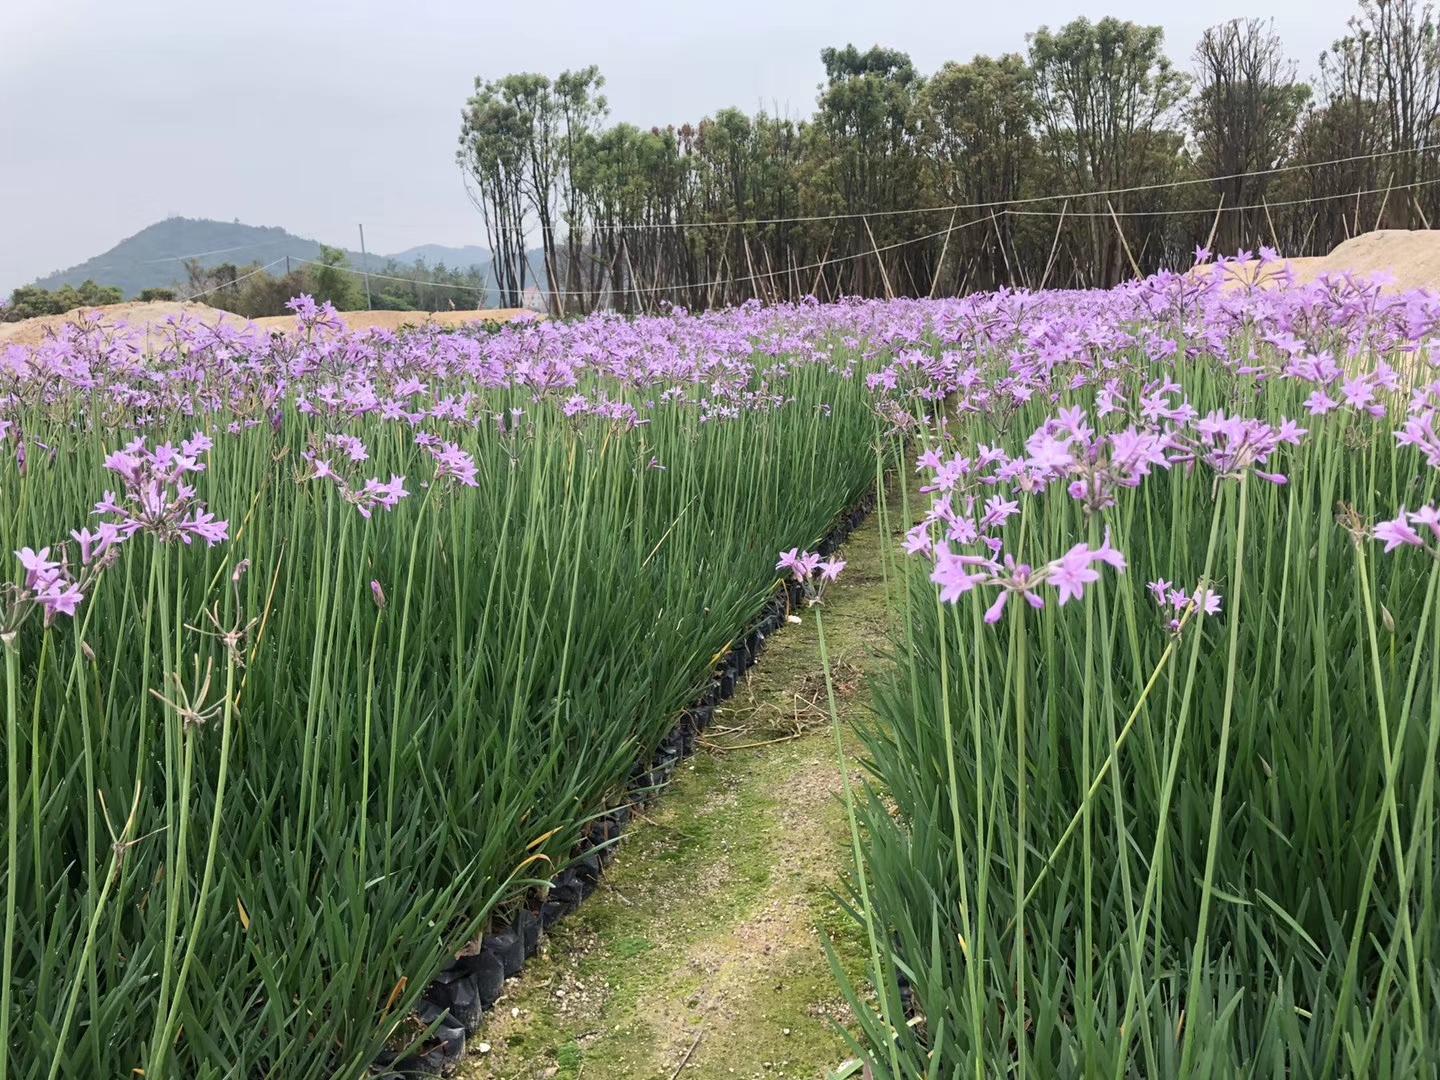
(316, 115)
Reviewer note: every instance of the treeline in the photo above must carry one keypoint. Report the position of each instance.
(254, 292)
(31, 301)
(778, 208)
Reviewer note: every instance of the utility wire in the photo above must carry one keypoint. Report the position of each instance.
(1000, 210)
(233, 281)
(391, 277)
(1208, 212)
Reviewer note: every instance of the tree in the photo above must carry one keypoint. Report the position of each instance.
(1388, 66)
(867, 113)
(330, 281)
(1108, 97)
(30, 301)
(492, 157)
(977, 138)
(1244, 114)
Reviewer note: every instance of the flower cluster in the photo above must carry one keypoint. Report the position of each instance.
(366, 496)
(1200, 600)
(157, 497)
(1404, 530)
(811, 570)
(1069, 575)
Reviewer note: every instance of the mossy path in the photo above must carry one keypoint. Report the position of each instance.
(700, 956)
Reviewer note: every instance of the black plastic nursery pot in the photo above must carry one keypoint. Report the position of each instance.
(457, 999)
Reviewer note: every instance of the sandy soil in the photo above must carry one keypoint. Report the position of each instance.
(394, 320)
(1405, 259)
(153, 314)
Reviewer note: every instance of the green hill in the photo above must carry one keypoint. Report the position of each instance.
(155, 256)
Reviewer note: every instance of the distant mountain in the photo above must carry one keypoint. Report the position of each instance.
(453, 257)
(154, 257)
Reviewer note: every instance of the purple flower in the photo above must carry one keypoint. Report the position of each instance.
(956, 574)
(1427, 517)
(1398, 533)
(1072, 572)
(452, 463)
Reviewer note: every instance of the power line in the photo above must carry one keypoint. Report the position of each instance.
(874, 250)
(999, 213)
(1224, 209)
(391, 277)
(234, 281)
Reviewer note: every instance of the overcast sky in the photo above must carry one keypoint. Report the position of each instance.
(318, 115)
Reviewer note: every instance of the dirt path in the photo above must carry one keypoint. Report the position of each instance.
(701, 956)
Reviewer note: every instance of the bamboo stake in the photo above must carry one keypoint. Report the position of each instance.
(935, 278)
(754, 282)
(1388, 185)
(1215, 225)
(1054, 246)
(1420, 210)
(1004, 255)
(1305, 243)
(965, 278)
(655, 280)
(722, 278)
(820, 271)
(634, 281)
(773, 279)
(1123, 243)
(884, 275)
(1274, 237)
(724, 268)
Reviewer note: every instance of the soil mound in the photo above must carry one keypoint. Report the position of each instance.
(152, 316)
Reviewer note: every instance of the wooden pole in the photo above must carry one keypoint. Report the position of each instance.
(634, 289)
(1274, 236)
(774, 285)
(935, 278)
(1055, 245)
(820, 270)
(365, 264)
(1215, 225)
(884, 275)
(721, 274)
(754, 282)
(1123, 243)
(1418, 209)
(1004, 255)
(1388, 185)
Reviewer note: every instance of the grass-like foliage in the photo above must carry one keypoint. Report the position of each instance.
(1157, 766)
(319, 651)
